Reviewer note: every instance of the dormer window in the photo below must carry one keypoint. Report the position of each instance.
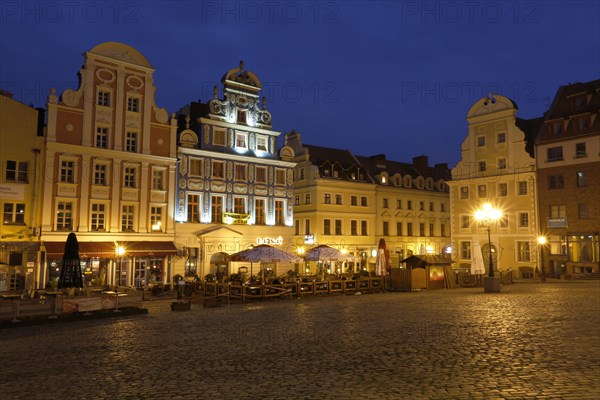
(327, 172)
(556, 127)
(579, 101)
(582, 123)
(241, 117)
(336, 174)
(384, 180)
(261, 143)
(407, 181)
(398, 181)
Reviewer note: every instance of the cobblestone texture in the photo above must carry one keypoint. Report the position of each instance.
(532, 341)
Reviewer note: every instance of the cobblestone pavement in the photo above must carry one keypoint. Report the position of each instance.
(532, 341)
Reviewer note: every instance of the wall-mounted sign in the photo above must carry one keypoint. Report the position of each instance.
(235, 218)
(557, 222)
(266, 240)
(12, 192)
(309, 239)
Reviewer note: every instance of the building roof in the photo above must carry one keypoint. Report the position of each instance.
(530, 128)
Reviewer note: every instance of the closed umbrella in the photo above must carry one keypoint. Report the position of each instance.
(382, 263)
(70, 272)
(477, 265)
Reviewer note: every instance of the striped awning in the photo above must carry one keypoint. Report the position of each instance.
(55, 250)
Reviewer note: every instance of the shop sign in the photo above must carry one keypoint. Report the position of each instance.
(235, 218)
(12, 192)
(270, 241)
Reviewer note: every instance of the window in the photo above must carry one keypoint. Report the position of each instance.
(409, 204)
(64, 216)
(16, 171)
(480, 141)
(239, 205)
(583, 211)
(219, 137)
(353, 200)
(131, 141)
(261, 144)
(297, 227)
(582, 123)
(431, 230)
(558, 211)
(133, 104)
(127, 217)
(481, 191)
(482, 166)
(102, 137)
(218, 169)
(522, 188)
(363, 201)
(384, 179)
(554, 154)
(443, 229)
(241, 117)
(195, 167)
(279, 212)
(240, 172)
(442, 207)
(502, 163)
(430, 206)
(580, 150)
(327, 198)
(336, 173)
(338, 226)
(158, 179)
(385, 203)
(259, 212)
(307, 198)
(279, 176)
(193, 207)
(156, 218)
(353, 227)
(501, 137)
(503, 221)
(326, 227)
(307, 226)
(129, 180)
(398, 228)
(465, 250)
(216, 209)
(465, 221)
(67, 171)
(523, 252)
(98, 217)
(421, 206)
(363, 228)
(582, 179)
(100, 174)
(523, 220)
(399, 204)
(240, 140)
(297, 200)
(503, 189)
(261, 174)
(338, 199)
(556, 182)
(103, 98)
(556, 128)
(14, 214)
(464, 192)
(409, 229)
(386, 228)
(301, 174)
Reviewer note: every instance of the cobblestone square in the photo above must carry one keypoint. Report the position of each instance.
(532, 341)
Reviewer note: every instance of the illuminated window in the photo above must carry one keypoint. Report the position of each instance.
(582, 179)
(327, 198)
(156, 218)
(240, 140)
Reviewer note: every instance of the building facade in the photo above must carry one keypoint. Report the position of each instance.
(351, 202)
(21, 146)
(568, 164)
(234, 189)
(108, 173)
(496, 167)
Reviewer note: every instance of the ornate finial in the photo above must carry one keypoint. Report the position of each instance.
(241, 66)
(264, 102)
(215, 92)
(187, 122)
(52, 91)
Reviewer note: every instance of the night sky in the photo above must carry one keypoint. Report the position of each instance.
(372, 77)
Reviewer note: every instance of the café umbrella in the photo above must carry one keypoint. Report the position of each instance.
(70, 271)
(263, 254)
(326, 253)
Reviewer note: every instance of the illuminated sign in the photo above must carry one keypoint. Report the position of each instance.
(266, 240)
(309, 239)
(230, 218)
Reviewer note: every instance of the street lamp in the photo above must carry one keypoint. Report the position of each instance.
(541, 242)
(487, 214)
(120, 252)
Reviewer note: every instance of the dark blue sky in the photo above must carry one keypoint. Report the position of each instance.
(373, 77)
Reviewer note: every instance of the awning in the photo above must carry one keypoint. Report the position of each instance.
(55, 250)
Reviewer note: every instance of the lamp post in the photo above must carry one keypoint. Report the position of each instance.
(487, 215)
(541, 242)
(120, 252)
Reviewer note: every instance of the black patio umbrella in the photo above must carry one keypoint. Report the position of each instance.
(70, 272)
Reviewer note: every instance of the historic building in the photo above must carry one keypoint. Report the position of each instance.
(496, 167)
(21, 146)
(109, 172)
(568, 165)
(234, 189)
(350, 202)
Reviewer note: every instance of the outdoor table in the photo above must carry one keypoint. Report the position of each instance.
(14, 298)
(117, 295)
(54, 296)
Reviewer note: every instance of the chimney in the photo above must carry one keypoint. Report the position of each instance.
(442, 166)
(421, 164)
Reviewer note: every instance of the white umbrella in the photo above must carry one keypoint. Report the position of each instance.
(477, 265)
(326, 253)
(264, 254)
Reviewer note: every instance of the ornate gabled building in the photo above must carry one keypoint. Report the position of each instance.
(234, 187)
(108, 172)
(21, 146)
(568, 165)
(351, 202)
(497, 167)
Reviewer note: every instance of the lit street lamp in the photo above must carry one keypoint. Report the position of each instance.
(120, 252)
(541, 242)
(487, 215)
